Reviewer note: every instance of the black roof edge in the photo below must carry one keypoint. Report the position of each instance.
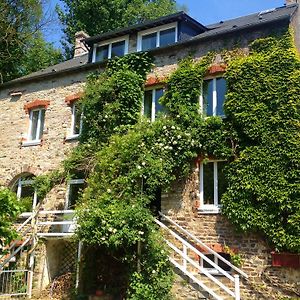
(179, 44)
(181, 15)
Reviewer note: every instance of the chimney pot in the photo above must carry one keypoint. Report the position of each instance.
(289, 2)
(80, 47)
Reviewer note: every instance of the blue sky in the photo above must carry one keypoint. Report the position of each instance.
(204, 11)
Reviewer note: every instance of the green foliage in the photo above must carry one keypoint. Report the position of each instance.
(263, 107)
(235, 258)
(22, 47)
(9, 210)
(44, 183)
(127, 159)
(38, 55)
(114, 98)
(84, 15)
(132, 158)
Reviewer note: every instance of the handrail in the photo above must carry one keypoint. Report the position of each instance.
(202, 270)
(25, 223)
(56, 212)
(14, 253)
(202, 285)
(212, 263)
(204, 246)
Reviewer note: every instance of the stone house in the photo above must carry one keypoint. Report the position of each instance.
(40, 124)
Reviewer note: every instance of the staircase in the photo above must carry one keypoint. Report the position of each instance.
(212, 283)
(17, 260)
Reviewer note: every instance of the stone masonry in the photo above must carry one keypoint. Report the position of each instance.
(266, 282)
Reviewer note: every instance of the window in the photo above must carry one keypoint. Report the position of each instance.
(75, 187)
(151, 105)
(204, 264)
(36, 125)
(111, 48)
(76, 122)
(212, 184)
(157, 37)
(213, 96)
(26, 192)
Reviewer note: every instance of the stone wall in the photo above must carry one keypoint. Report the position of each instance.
(15, 158)
(265, 281)
(179, 203)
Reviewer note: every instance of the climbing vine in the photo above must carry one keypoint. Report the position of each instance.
(263, 107)
(127, 159)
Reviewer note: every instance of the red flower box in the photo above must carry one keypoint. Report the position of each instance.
(285, 260)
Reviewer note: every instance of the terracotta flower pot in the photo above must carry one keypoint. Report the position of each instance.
(285, 260)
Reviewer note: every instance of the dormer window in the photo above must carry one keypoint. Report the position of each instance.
(157, 37)
(110, 48)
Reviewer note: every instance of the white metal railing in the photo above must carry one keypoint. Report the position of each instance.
(204, 246)
(56, 223)
(14, 283)
(233, 289)
(24, 238)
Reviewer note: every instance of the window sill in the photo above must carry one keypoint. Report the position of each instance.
(31, 143)
(215, 272)
(209, 210)
(72, 137)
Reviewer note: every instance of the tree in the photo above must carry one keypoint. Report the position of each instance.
(98, 16)
(9, 210)
(39, 55)
(20, 30)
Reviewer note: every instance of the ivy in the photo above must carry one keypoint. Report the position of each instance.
(263, 106)
(10, 208)
(127, 159)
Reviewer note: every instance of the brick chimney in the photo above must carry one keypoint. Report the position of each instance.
(80, 47)
(288, 2)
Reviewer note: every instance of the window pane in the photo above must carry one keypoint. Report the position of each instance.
(74, 193)
(222, 184)
(208, 97)
(206, 264)
(167, 37)
(34, 123)
(148, 104)
(223, 265)
(102, 53)
(42, 115)
(221, 91)
(27, 191)
(149, 41)
(159, 108)
(208, 183)
(118, 49)
(77, 120)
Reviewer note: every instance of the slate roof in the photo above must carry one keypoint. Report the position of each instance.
(283, 13)
(149, 24)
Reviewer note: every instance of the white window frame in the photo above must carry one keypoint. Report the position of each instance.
(211, 270)
(71, 135)
(215, 96)
(157, 29)
(209, 208)
(153, 104)
(22, 182)
(29, 141)
(109, 43)
(71, 182)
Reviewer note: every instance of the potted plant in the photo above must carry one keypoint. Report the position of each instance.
(284, 259)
